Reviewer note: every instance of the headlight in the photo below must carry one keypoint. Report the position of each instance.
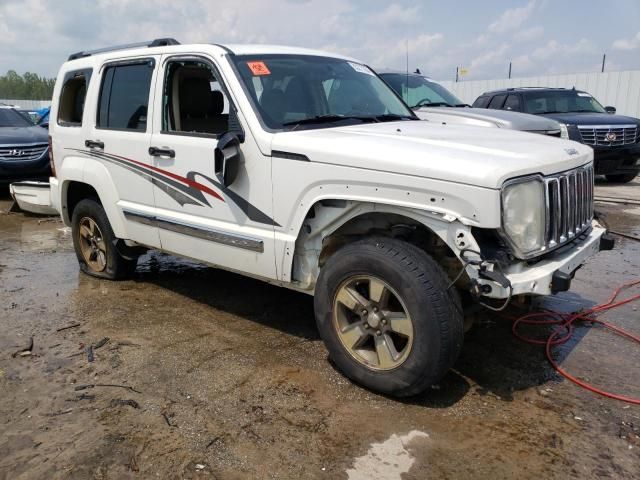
(564, 131)
(523, 215)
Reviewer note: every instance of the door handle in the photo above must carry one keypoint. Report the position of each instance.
(94, 144)
(162, 152)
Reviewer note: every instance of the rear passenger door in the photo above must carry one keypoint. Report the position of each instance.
(120, 140)
(199, 217)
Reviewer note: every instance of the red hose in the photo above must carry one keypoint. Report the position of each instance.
(566, 321)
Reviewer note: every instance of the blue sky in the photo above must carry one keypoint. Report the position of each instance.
(538, 36)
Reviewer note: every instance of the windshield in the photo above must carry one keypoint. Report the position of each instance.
(303, 91)
(418, 91)
(560, 101)
(11, 118)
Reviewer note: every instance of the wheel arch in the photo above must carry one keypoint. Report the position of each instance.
(331, 224)
(81, 178)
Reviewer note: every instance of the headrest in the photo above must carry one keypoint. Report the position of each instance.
(217, 102)
(192, 91)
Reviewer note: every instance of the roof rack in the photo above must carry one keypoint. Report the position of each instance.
(158, 42)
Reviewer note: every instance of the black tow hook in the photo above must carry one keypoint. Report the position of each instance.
(607, 242)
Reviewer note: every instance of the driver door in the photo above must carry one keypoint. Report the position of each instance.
(230, 226)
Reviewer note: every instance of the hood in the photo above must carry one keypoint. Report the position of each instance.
(500, 118)
(592, 118)
(484, 157)
(23, 135)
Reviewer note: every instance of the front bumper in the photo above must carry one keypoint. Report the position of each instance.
(38, 169)
(617, 160)
(553, 272)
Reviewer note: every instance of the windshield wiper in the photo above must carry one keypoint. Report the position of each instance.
(390, 117)
(330, 118)
(427, 103)
(462, 105)
(584, 111)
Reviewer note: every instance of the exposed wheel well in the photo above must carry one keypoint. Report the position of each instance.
(390, 225)
(77, 191)
(330, 225)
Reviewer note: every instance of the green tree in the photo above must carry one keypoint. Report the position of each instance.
(29, 86)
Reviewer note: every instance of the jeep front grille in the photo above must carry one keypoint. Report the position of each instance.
(608, 135)
(22, 153)
(569, 205)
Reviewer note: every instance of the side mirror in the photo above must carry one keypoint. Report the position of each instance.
(227, 158)
(610, 109)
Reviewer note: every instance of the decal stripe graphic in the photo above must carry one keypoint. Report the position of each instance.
(184, 190)
(191, 183)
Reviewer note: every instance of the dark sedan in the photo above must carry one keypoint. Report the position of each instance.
(615, 139)
(24, 148)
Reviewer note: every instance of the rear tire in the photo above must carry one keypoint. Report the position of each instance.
(621, 177)
(386, 316)
(96, 245)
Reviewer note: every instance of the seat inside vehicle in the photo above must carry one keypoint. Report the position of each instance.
(194, 100)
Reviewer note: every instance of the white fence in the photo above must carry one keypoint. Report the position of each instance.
(619, 89)
(27, 104)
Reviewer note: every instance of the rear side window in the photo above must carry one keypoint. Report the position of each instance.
(512, 103)
(497, 101)
(124, 96)
(72, 97)
(481, 102)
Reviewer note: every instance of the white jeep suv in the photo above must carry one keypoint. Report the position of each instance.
(304, 169)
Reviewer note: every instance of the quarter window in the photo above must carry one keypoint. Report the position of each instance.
(481, 102)
(497, 101)
(124, 97)
(72, 97)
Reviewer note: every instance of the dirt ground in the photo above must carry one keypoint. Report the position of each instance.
(229, 379)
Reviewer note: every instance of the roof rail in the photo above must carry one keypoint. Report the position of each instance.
(158, 42)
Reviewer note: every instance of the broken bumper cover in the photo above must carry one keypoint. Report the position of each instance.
(553, 273)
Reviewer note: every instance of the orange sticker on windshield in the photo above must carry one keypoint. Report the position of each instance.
(258, 68)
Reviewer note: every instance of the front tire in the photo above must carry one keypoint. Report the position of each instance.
(386, 316)
(96, 245)
(621, 177)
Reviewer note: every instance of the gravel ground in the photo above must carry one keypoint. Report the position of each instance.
(225, 377)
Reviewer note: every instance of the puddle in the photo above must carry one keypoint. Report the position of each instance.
(387, 460)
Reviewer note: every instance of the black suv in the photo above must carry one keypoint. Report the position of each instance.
(615, 138)
(24, 148)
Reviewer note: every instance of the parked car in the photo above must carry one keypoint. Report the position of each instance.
(24, 148)
(431, 101)
(304, 169)
(43, 117)
(614, 138)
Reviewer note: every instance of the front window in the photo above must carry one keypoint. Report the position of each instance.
(561, 101)
(419, 91)
(11, 118)
(304, 91)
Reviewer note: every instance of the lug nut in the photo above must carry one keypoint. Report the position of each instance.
(378, 332)
(384, 321)
(364, 312)
(375, 309)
